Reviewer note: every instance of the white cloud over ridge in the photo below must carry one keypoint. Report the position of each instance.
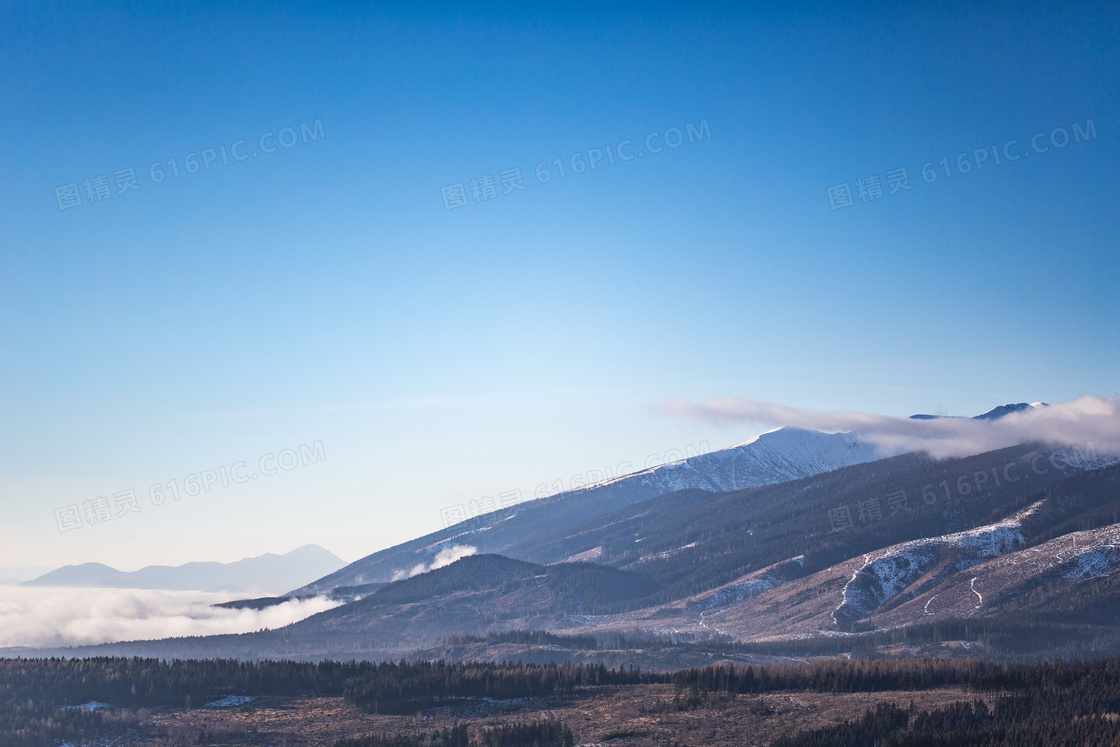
(64, 616)
(446, 556)
(1089, 423)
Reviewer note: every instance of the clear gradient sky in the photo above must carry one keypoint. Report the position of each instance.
(325, 292)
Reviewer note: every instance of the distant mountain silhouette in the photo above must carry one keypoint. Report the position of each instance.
(267, 573)
(14, 574)
(994, 414)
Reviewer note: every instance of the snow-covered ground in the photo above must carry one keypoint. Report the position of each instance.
(887, 573)
(733, 594)
(93, 705)
(773, 457)
(231, 701)
(1099, 554)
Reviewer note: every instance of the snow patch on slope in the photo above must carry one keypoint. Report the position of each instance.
(745, 588)
(776, 456)
(733, 594)
(888, 573)
(1101, 558)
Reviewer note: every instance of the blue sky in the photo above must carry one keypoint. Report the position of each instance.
(323, 292)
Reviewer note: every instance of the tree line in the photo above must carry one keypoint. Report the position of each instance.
(37, 695)
(539, 734)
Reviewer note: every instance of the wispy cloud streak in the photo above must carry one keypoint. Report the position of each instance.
(446, 556)
(1084, 421)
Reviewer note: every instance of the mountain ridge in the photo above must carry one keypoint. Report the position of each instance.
(773, 457)
(776, 456)
(994, 414)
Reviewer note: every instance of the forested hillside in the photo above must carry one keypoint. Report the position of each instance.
(1025, 703)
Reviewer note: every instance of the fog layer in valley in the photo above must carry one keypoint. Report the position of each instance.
(68, 616)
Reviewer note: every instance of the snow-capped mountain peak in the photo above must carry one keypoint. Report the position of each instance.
(787, 453)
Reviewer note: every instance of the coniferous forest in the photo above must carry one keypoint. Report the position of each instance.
(1059, 703)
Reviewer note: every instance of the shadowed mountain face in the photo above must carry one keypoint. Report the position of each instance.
(477, 594)
(999, 412)
(266, 573)
(775, 457)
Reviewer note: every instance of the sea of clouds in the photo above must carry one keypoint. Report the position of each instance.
(63, 616)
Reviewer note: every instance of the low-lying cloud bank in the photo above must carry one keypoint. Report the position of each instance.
(446, 556)
(1088, 423)
(64, 616)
